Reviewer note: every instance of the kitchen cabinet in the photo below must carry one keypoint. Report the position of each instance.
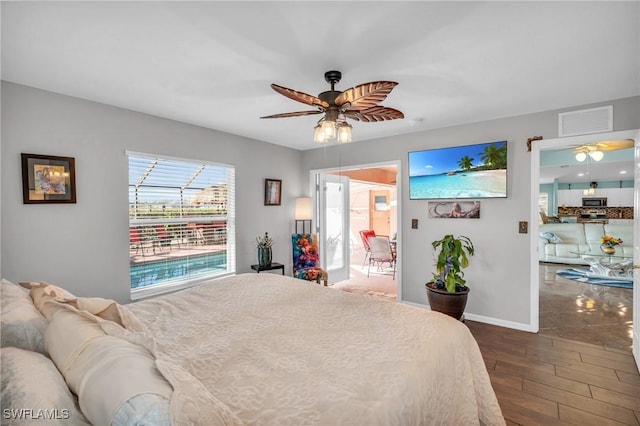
(570, 197)
(616, 197)
(619, 197)
(564, 197)
(626, 197)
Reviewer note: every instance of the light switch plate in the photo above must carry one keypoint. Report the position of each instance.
(523, 227)
(414, 223)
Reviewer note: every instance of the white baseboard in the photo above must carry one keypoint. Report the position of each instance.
(483, 319)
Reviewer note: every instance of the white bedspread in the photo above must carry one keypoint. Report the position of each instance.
(281, 351)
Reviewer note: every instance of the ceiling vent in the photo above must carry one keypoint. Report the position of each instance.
(586, 121)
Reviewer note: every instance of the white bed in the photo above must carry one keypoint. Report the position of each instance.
(277, 350)
(257, 349)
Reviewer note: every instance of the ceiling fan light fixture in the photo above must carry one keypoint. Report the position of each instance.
(581, 156)
(596, 155)
(328, 128)
(344, 133)
(318, 135)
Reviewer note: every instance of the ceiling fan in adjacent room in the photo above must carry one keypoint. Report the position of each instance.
(360, 103)
(595, 150)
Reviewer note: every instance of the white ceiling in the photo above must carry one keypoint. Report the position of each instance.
(211, 63)
(610, 168)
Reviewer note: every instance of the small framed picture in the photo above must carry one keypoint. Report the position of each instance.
(272, 192)
(48, 179)
(454, 209)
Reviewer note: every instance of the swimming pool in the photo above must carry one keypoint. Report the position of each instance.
(165, 271)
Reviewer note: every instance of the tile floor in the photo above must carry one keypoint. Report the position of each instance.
(379, 284)
(585, 312)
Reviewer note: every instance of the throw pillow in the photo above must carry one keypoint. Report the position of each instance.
(106, 372)
(35, 392)
(22, 324)
(553, 238)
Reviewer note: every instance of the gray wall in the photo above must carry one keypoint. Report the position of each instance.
(498, 274)
(84, 247)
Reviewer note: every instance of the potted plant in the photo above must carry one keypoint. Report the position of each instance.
(447, 293)
(608, 244)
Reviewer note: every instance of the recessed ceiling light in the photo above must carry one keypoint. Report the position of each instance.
(622, 172)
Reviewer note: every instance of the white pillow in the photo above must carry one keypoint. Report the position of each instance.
(22, 324)
(106, 372)
(33, 389)
(553, 238)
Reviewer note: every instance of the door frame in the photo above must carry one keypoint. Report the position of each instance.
(398, 165)
(534, 285)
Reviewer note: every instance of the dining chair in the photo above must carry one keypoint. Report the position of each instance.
(381, 253)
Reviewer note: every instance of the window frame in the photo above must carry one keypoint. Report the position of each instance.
(230, 244)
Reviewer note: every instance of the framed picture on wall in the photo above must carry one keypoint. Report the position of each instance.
(48, 179)
(272, 192)
(454, 209)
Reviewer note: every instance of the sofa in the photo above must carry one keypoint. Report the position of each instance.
(559, 242)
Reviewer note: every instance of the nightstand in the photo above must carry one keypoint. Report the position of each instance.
(274, 265)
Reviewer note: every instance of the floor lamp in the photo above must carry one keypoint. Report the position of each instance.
(303, 213)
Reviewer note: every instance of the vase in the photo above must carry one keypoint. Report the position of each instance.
(264, 256)
(607, 249)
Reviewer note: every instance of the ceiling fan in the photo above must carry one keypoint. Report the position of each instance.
(595, 150)
(360, 103)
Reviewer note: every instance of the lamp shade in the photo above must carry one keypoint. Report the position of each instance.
(303, 208)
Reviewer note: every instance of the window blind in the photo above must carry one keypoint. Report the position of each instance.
(181, 222)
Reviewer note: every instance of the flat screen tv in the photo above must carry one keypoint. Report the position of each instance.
(469, 171)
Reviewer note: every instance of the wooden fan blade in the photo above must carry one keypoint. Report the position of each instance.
(376, 113)
(300, 97)
(292, 114)
(365, 95)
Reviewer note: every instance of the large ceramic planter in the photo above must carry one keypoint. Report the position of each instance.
(452, 304)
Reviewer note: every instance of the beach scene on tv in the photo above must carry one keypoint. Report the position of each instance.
(470, 171)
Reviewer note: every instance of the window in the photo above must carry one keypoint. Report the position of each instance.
(181, 222)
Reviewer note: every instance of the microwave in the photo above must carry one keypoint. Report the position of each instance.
(594, 202)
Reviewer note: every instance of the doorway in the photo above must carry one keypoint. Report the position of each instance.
(537, 274)
(372, 204)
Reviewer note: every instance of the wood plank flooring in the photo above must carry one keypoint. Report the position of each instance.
(548, 380)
